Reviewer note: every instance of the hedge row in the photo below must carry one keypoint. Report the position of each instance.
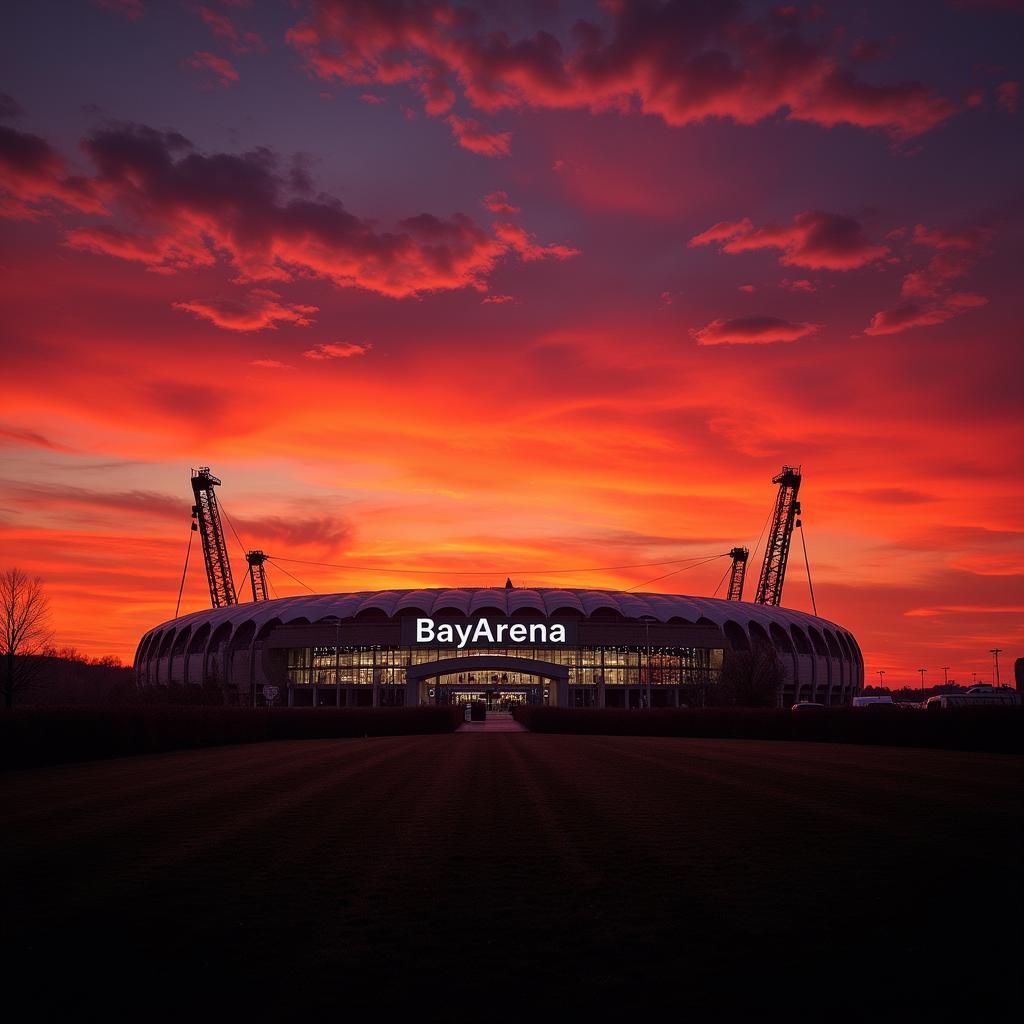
(39, 736)
(994, 730)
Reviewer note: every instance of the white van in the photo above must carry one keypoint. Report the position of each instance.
(976, 696)
(867, 702)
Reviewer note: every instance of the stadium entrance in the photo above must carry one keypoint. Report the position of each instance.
(494, 699)
(498, 680)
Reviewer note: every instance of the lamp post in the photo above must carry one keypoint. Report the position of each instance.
(647, 620)
(881, 681)
(945, 675)
(922, 671)
(995, 652)
(337, 663)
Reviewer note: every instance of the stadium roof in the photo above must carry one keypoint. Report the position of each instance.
(548, 601)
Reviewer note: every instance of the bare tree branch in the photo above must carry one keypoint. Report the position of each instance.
(24, 630)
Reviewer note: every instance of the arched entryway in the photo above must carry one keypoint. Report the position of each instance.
(484, 674)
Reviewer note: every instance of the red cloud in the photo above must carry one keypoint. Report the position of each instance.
(33, 175)
(972, 240)
(676, 60)
(521, 241)
(189, 209)
(223, 27)
(752, 330)
(903, 318)
(161, 253)
(1008, 96)
(815, 239)
(800, 285)
(259, 310)
(225, 72)
(337, 350)
(472, 135)
(956, 255)
(497, 202)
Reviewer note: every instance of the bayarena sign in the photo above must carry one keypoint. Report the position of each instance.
(571, 648)
(483, 632)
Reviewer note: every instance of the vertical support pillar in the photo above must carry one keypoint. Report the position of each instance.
(412, 692)
(562, 691)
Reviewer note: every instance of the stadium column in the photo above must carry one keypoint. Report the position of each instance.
(376, 682)
(600, 689)
(562, 690)
(412, 692)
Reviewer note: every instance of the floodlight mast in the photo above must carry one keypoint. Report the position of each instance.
(257, 575)
(737, 574)
(776, 554)
(206, 518)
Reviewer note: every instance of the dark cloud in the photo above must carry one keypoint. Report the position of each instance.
(815, 239)
(12, 435)
(913, 314)
(33, 177)
(10, 108)
(188, 209)
(259, 309)
(679, 60)
(752, 330)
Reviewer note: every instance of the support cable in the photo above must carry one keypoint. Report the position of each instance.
(181, 589)
(722, 580)
(807, 566)
(241, 586)
(270, 583)
(768, 519)
(676, 571)
(294, 577)
(241, 546)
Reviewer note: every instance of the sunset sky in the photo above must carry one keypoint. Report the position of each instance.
(512, 288)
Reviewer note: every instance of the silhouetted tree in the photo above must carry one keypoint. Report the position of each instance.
(24, 630)
(751, 679)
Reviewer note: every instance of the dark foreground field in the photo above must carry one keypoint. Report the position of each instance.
(516, 876)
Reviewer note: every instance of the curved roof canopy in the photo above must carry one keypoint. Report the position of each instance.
(474, 601)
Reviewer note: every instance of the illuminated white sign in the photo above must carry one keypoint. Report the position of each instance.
(482, 632)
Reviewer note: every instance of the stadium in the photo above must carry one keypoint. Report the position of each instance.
(567, 648)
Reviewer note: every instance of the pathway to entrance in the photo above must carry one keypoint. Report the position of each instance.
(496, 721)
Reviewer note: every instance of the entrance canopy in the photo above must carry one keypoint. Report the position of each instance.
(415, 674)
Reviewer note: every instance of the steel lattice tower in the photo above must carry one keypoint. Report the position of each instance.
(257, 575)
(776, 554)
(215, 552)
(737, 574)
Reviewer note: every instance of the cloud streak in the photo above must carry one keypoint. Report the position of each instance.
(752, 330)
(190, 210)
(682, 62)
(815, 239)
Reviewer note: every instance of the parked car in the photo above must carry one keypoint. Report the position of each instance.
(868, 702)
(807, 705)
(976, 696)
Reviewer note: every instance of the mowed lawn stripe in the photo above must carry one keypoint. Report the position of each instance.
(602, 871)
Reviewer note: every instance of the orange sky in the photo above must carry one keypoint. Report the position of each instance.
(592, 343)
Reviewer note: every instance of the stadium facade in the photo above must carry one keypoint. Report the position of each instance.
(570, 648)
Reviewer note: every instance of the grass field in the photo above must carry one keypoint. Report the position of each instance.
(506, 876)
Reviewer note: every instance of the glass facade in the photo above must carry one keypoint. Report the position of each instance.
(619, 666)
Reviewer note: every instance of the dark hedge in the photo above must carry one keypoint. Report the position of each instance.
(38, 736)
(993, 730)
